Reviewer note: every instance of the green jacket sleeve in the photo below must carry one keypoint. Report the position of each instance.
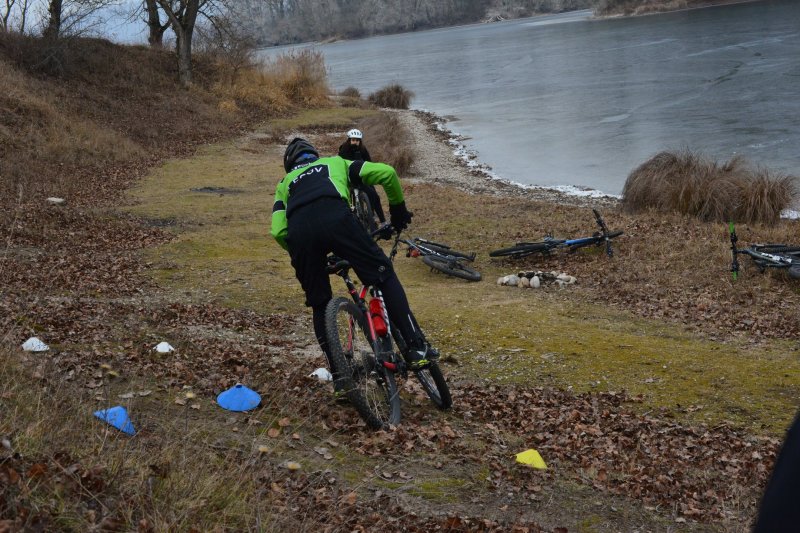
(385, 176)
(279, 225)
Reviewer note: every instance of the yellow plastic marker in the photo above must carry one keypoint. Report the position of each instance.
(531, 458)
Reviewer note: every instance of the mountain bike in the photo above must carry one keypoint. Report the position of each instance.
(363, 209)
(362, 341)
(439, 257)
(550, 244)
(766, 256)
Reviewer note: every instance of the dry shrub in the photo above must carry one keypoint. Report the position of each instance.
(392, 96)
(689, 184)
(256, 88)
(302, 77)
(351, 92)
(388, 141)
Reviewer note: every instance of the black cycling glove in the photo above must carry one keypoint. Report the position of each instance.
(400, 216)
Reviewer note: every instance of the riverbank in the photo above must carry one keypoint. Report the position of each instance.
(442, 156)
(628, 9)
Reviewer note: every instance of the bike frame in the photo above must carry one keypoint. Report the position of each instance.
(763, 260)
(359, 296)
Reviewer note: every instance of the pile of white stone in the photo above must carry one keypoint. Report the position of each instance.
(534, 280)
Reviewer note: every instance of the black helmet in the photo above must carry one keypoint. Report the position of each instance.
(295, 149)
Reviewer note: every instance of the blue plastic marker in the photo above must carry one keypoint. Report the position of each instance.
(238, 398)
(117, 417)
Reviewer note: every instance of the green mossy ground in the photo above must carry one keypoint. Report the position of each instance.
(222, 250)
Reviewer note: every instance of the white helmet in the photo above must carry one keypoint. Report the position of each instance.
(355, 134)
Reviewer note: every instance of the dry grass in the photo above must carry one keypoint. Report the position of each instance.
(392, 96)
(86, 106)
(351, 92)
(389, 141)
(690, 184)
(302, 77)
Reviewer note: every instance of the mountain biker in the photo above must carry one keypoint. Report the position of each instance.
(311, 218)
(353, 149)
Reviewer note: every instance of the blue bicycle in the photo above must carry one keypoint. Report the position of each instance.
(549, 244)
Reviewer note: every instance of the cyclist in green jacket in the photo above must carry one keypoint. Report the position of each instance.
(311, 218)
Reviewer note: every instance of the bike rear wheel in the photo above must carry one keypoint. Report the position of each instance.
(521, 250)
(432, 380)
(358, 369)
(452, 267)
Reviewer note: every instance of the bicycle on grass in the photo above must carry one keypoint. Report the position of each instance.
(766, 256)
(439, 257)
(549, 244)
(362, 342)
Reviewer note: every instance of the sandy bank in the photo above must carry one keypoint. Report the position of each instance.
(442, 158)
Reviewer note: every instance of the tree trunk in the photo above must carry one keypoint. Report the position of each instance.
(182, 22)
(54, 19)
(156, 30)
(184, 50)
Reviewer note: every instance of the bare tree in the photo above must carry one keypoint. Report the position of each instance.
(6, 13)
(182, 15)
(72, 17)
(54, 14)
(155, 35)
(23, 15)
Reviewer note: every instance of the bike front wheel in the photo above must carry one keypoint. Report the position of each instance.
(451, 267)
(432, 380)
(365, 213)
(358, 369)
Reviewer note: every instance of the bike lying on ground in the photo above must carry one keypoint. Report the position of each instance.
(439, 257)
(362, 343)
(549, 244)
(766, 256)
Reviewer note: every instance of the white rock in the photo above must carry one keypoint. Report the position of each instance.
(512, 280)
(524, 282)
(536, 282)
(572, 279)
(163, 347)
(55, 201)
(321, 374)
(501, 280)
(34, 344)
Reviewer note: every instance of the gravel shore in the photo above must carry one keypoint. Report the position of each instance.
(442, 158)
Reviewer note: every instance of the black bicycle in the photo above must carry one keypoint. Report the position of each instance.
(439, 257)
(549, 244)
(766, 256)
(363, 209)
(362, 343)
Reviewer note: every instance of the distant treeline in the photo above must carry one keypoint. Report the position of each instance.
(272, 22)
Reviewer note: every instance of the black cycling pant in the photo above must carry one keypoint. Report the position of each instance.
(328, 226)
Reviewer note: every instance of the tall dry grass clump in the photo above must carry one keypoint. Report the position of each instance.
(392, 96)
(687, 183)
(389, 141)
(292, 79)
(302, 76)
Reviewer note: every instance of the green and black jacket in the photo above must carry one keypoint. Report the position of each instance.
(328, 177)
